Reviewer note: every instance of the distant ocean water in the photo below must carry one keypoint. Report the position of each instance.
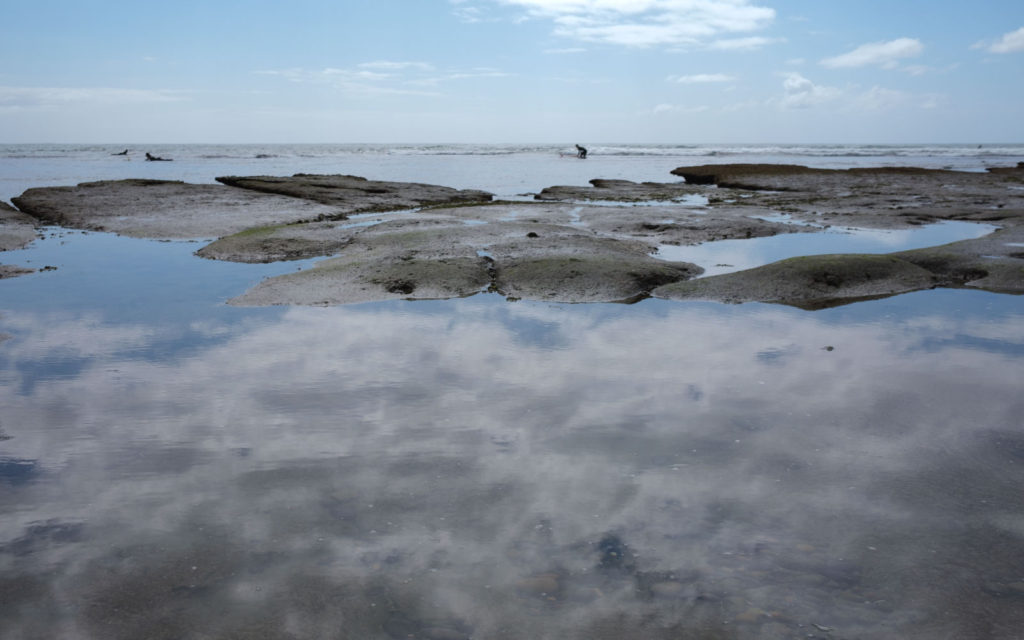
(503, 169)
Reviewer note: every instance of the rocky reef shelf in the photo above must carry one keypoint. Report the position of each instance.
(384, 240)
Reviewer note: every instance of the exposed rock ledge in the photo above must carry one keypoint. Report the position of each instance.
(576, 244)
(887, 197)
(520, 250)
(879, 197)
(163, 209)
(16, 231)
(352, 193)
(169, 209)
(993, 263)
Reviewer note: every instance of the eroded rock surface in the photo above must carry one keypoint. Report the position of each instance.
(353, 193)
(282, 242)
(16, 231)
(994, 262)
(11, 271)
(163, 209)
(624, 191)
(880, 198)
(519, 250)
(573, 244)
(883, 197)
(665, 213)
(809, 282)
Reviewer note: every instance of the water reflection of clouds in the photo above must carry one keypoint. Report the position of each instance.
(57, 334)
(727, 256)
(472, 459)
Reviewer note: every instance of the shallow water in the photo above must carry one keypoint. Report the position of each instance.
(727, 256)
(171, 467)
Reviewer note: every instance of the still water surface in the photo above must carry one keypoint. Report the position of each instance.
(171, 467)
(727, 256)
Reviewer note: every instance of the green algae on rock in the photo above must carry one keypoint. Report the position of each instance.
(275, 243)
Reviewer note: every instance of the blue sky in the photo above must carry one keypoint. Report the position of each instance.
(673, 71)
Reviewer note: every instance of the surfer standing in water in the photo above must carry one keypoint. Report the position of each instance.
(581, 152)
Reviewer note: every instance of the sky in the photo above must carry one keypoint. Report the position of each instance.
(517, 71)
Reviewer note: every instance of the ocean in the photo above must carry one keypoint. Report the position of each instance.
(175, 467)
(505, 170)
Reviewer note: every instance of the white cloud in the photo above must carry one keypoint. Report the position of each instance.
(358, 81)
(917, 69)
(701, 78)
(801, 93)
(396, 66)
(1010, 43)
(348, 74)
(468, 14)
(19, 97)
(385, 77)
(884, 54)
(881, 99)
(742, 106)
(482, 72)
(743, 44)
(674, 108)
(641, 23)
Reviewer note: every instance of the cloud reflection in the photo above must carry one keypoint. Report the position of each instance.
(467, 469)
